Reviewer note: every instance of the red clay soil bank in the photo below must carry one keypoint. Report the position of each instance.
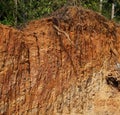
(64, 64)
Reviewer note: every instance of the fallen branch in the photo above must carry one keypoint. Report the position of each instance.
(63, 32)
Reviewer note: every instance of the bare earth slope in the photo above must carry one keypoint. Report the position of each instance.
(65, 64)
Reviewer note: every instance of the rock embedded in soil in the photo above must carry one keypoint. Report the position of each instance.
(59, 65)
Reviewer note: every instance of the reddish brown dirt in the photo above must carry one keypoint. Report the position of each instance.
(58, 65)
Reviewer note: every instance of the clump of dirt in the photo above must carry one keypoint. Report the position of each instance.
(79, 27)
(60, 64)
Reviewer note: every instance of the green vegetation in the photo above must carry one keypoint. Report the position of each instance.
(16, 12)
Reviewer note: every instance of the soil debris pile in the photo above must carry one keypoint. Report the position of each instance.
(64, 64)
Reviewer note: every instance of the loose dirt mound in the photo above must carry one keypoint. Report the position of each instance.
(65, 64)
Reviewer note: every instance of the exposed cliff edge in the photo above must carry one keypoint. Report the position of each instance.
(64, 64)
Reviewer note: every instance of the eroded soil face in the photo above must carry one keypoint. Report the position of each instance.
(64, 64)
